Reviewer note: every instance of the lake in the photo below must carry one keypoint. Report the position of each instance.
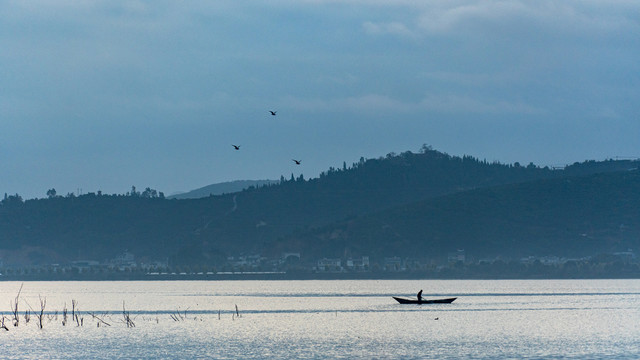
(324, 319)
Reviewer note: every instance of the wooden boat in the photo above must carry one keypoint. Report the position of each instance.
(424, 301)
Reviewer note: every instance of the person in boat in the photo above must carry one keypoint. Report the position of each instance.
(420, 295)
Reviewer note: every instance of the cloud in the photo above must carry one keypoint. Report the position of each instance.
(476, 79)
(369, 104)
(372, 103)
(570, 17)
(470, 105)
(509, 18)
(393, 28)
(363, 104)
(458, 16)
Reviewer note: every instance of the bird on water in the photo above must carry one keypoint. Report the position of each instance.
(237, 147)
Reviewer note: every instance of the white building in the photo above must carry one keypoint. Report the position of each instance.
(361, 264)
(332, 265)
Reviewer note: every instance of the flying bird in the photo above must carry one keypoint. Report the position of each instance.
(237, 147)
(297, 161)
(273, 112)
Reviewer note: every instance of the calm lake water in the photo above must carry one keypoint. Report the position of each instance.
(326, 319)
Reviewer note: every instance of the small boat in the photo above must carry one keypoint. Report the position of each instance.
(423, 301)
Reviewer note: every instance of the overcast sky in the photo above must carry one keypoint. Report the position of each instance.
(103, 95)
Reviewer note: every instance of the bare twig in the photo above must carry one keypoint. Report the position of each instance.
(178, 316)
(64, 315)
(100, 321)
(14, 307)
(74, 313)
(127, 317)
(43, 304)
(53, 316)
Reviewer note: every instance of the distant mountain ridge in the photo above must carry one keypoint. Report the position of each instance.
(222, 188)
(318, 217)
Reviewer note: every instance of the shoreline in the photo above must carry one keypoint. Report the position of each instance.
(288, 276)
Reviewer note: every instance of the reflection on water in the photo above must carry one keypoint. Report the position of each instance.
(325, 319)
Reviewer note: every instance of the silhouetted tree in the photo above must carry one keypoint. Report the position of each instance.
(149, 193)
(51, 193)
(12, 200)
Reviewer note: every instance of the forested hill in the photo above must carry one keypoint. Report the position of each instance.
(570, 217)
(98, 226)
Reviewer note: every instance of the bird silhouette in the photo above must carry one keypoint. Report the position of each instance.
(297, 161)
(273, 112)
(237, 147)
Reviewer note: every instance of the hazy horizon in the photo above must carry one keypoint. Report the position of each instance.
(109, 94)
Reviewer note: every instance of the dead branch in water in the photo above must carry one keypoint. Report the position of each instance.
(175, 318)
(53, 316)
(14, 307)
(64, 315)
(127, 317)
(43, 303)
(74, 315)
(100, 321)
(179, 317)
(3, 326)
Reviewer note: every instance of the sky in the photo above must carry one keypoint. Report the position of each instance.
(105, 95)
